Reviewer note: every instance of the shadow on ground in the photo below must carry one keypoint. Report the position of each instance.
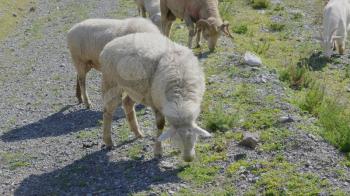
(60, 123)
(316, 62)
(96, 174)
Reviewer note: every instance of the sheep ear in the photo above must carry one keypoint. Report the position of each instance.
(202, 24)
(224, 28)
(167, 134)
(201, 131)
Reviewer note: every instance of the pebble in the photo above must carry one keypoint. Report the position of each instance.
(286, 119)
(250, 140)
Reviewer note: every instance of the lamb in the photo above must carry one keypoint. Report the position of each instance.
(152, 70)
(336, 19)
(152, 7)
(204, 13)
(87, 39)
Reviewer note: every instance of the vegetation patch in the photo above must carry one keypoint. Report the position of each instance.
(11, 14)
(199, 174)
(260, 4)
(14, 160)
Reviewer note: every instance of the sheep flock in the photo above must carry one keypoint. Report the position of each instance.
(140, 64)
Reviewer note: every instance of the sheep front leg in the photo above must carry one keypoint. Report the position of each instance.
(160, 121)
(340, 44)
(112, 98)
(191, 31)
(198, 38)
(130, 114)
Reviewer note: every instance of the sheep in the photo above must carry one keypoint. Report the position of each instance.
(152, 70)
(336, 19)
(87, 39)
(204, 13)
(152, 7)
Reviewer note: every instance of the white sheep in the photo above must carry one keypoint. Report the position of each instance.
(87, 39)
(152, 7)
(336, 20)
(158, 73)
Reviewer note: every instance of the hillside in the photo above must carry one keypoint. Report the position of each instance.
(297, 103)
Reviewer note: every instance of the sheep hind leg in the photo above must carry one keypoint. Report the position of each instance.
(78, 92)
(112, 98)
(340, 45)
(160, 121)
(130, 114)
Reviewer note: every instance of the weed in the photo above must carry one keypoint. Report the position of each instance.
(273, 139)
(277, 27)
(219, 120)
(313, 99)
(335, 123)
(296, 75)
(260, 4)
(135, 152)
(261, 119)
(15, 160)
(199, 174)
(240, 29)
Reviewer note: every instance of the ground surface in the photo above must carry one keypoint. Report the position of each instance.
(49, 145)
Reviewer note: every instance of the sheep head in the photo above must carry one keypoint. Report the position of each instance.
(211, 29)
(186, 136)
(327, 42)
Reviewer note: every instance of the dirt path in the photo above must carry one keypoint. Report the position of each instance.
(51, 146)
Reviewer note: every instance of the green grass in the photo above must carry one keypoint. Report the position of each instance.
(273, 139)
(199, 174)
(15, 160)
(218, 120)
(240, 28)
(260, 4)
(7, 20)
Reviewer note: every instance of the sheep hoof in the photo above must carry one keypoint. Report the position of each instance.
(139, 135)
(88, 106)
(107, 148)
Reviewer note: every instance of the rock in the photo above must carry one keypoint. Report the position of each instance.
(286, 119)
(238, 157)
(89, 144)
(14, 14)
(250, 140)
(251, 59)
(32, 9)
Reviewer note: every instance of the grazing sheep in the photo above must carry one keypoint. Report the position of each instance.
(158, 73)
(336, 19)
(152, 7)
(204, 13)
(87, 39)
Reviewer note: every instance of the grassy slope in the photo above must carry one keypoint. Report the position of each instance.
(235, 106)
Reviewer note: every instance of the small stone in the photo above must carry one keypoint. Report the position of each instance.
(286, 119)
(171, 192)
(312, 137)
(250, 140)
(238, 157)
(89, 144)
(32, 9)
(308, 163)
(14, 14)
(252, 59)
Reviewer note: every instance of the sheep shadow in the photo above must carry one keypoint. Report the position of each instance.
(60, 123)
(96, 174)
(315, 62)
